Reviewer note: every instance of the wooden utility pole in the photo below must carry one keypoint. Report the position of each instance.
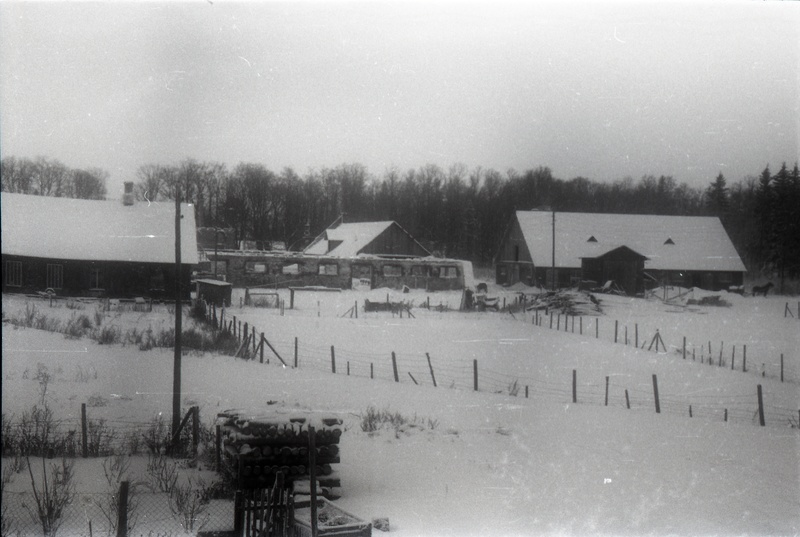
(176, 369)
(554, 251)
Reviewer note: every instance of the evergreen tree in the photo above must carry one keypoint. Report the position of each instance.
(717, 197)
(786, 211)
(765, 247)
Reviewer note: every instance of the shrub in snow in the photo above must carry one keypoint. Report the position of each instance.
(115, 470)
(108, 335)
(162, 472)
(188, 505)
(78, 326)
(52, 495)
(374, 420)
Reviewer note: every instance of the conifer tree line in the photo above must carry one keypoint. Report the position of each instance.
(455, 212)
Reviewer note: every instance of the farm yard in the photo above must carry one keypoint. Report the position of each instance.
(517, 422)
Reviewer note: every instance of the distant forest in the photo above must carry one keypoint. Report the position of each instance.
(457, 212)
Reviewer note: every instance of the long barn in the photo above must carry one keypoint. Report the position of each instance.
(75, 247)
(363, 255)
(561, 249)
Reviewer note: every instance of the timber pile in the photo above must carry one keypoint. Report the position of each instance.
(261, 446)
(394, 307)
(569, 302)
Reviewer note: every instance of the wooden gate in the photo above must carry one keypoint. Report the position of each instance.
(268, 512)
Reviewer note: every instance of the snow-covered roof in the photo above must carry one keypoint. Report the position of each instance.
(347, 240)
(668, 242)
(90, 230)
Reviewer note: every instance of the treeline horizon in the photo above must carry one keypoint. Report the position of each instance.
(455, 212)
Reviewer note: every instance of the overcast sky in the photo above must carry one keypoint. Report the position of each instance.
(597, 89)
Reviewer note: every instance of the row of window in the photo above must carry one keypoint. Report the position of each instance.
(332, 269)
(54, 278)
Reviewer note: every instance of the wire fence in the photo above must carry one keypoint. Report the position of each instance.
(420, 369)
(93, 514)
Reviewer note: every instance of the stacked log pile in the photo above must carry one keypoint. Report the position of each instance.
(261, 446)
(567, 302)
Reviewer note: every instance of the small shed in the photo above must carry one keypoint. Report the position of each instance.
(214, 292)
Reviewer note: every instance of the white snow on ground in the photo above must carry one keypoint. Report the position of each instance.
(491, 464)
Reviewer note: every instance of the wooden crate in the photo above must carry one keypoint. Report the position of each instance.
(333, 521)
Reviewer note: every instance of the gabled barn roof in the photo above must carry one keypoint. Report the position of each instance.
(90, 230)
(668, 242)
(348, 240)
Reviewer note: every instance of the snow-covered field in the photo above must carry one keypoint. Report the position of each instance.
(491, 462)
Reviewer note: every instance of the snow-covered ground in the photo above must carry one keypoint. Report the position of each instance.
(487, 462)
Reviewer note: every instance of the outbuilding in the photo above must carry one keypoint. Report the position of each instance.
(76, 247)
(554, 249)
(214, 292)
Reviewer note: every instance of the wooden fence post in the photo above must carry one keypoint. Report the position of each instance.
(218, 448)
(433, 377)
(526, 391)
(371, 370)
(348, 368)
(744, 359)
(333, 360)
(616, 328)
(690, 411)
(238, 513)
(295, 353)
(195, 429)
(781, 367)
(394, 367)
(733, 356)
(597, 327)
(627, 399)
(475, 374)
(261, 348)
(312, 470)
(684, 347)
(606, 390)
(760, 407)
(655, 394)
(122, 510)
(84, 432)
(574, 386)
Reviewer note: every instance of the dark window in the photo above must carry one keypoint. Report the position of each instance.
(292, 268)
(95, 278)
(448, 272)
(55, 276)
(329, 269)
(257, 267)
(419, 270)
(392, 271)
(14, 273)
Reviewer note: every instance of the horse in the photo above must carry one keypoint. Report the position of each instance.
(762, 289)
